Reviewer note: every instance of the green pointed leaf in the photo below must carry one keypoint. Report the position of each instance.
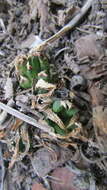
(21, 145)
(71, 112)
(72, 127)
(35, 67)
(57, 129)
(57, 107)
(27, 84)
(42, 91)
(44, 64)
(31, 68)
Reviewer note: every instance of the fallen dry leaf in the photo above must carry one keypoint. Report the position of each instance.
(38, 186)
(97, 97)
(47, 159)
(45, 85)
(40, 9)
(2, 134)
(99, 116)
(87, 46)
(99, 111)
(65, 179)
(94, 71)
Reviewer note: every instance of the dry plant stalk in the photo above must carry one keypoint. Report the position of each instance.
(26, 118)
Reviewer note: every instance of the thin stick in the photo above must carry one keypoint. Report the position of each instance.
(3, 115)
(26, 118)
(65, 29)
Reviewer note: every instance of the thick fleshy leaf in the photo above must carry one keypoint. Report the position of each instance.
(44, 65)
(30, 68)
(56, 128)
(71, 112)
(57, 107)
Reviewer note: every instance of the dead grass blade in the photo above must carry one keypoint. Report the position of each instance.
(3, 115)
(24, 137)
(26, 118)
(52, 116)
(16, 124)
(16, 153)
(2, 134)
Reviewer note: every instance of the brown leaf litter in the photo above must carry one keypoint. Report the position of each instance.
(40, 156)
(38, 186)
(41, 9)
(48, 158)
(63, 179)
(88, 46)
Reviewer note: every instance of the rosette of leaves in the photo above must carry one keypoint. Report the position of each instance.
(28, 71)
(65, 118)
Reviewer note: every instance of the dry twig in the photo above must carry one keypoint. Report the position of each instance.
(4, 115)
(26, 118)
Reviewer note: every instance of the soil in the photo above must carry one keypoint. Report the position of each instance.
(31, 158)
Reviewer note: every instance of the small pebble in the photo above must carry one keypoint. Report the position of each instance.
(62, 93)
(78, 82)
(18, 12)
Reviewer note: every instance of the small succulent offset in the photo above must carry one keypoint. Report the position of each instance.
(65, 115)
(29, 69)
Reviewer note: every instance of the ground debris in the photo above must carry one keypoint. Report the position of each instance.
(9, 89)
(2, 168)
(38, 186)
(47, 159)
(54, 132)
(94, 71)
(41, 8)
(88, 46)
(64, 178)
